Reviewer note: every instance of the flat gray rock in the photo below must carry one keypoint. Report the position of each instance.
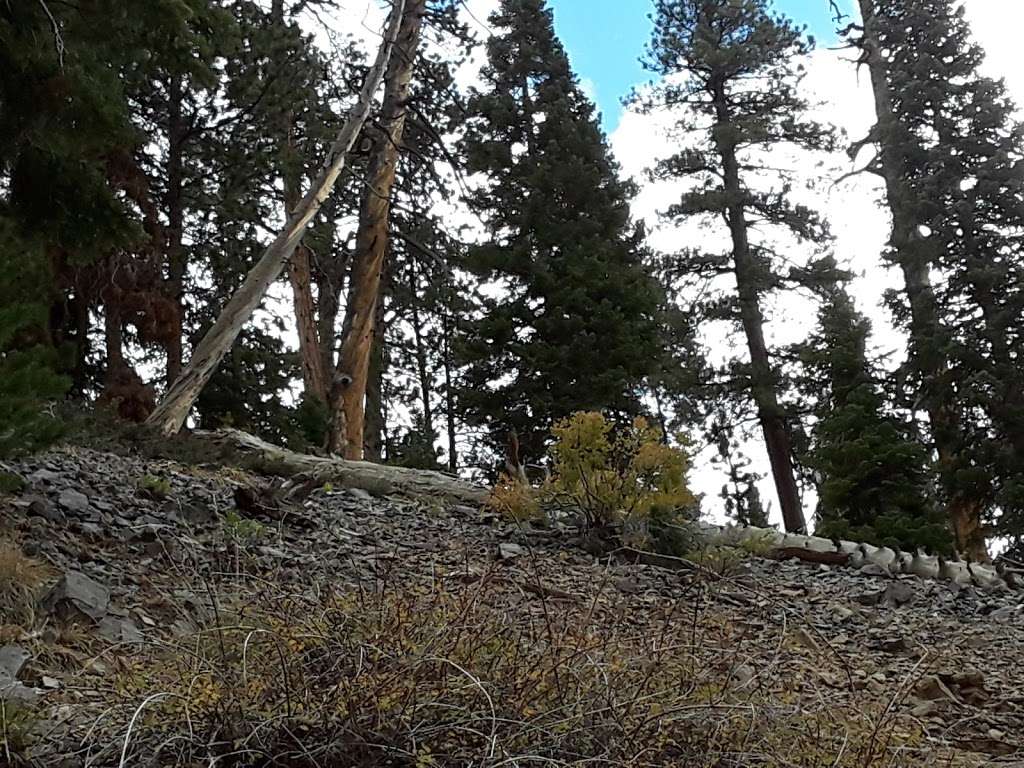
(77, 596)
(73, 501)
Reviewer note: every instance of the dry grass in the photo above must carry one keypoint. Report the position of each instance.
(456, 674)
(21, 578)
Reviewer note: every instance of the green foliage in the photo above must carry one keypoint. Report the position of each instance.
(312, 420)
(955, 194)
(30, 365)
(11, 483)
(576, 327)
(242, 530)
(615, 473)
(155, 487)
(606, 473)
(416, 448)
(873, 476)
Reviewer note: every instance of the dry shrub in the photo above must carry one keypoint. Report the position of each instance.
(514, 499)
(456, 676)
(21, 578)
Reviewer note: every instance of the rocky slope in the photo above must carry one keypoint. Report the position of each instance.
(147, 567)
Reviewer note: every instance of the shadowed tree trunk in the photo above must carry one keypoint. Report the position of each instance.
(926, 328)
(314, 374)
(449, 398)
(374, 437)
(349, 389)
(170, 415)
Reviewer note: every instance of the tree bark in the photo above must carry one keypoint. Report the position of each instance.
(172, 411)
(374, 438)
(422, 368)
(300, 273)
(748, 286)
(375, 478)
(347, 400)
(449, 397)
(174, 251)
(926, 328)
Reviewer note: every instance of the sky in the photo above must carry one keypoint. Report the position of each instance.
(605, 40)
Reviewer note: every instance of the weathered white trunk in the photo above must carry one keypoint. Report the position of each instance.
(172, 411)
(376, 478)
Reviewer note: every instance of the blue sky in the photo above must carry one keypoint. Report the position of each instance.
(605, 39)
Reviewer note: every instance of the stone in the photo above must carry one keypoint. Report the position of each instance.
(509, 551)
(118, 630)
(77, 597)
(12, 659)
(628, 586)
(73, 501)
(931, 688)
(873, 569)
(1006, 613)
(43, 477)
(359, 494)
(897, 594)
(40, 506)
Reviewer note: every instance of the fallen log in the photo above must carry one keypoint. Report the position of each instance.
(379, 479)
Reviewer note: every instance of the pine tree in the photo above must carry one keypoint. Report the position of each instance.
(62, 116)
(573, 323)
(874, 476)
(950, 155)
(733, 68)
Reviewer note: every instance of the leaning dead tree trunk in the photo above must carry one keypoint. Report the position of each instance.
(170, 415)
(349, 395)
(375, 478)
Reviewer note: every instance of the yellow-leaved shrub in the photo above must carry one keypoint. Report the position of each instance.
(606, 473)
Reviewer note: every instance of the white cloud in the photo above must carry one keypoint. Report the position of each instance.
(589, 88)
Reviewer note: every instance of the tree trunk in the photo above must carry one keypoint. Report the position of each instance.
(748, 286)
(375, 478)
(449, 397)
(422, 368)
(172, 411)
(373, 439)
(926, 328)
(314, 374)
(347, 400)
(174, 251)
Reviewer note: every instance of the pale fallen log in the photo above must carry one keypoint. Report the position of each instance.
(378, 479)
(856, 555)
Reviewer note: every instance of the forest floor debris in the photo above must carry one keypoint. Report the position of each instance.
(341, 628)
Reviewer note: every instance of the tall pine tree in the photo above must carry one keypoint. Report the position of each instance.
(733, 68)
(571, 324)
(950, 154)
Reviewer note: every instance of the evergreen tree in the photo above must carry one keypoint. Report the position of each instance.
(572, 324)
(873, 475)
(733, 68)
(62, 116)
(950, 155)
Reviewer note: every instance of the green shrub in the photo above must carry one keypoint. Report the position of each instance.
(242, 529)
(11, 483)
(154, 487)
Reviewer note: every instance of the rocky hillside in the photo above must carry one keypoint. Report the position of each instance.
(158, 614)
